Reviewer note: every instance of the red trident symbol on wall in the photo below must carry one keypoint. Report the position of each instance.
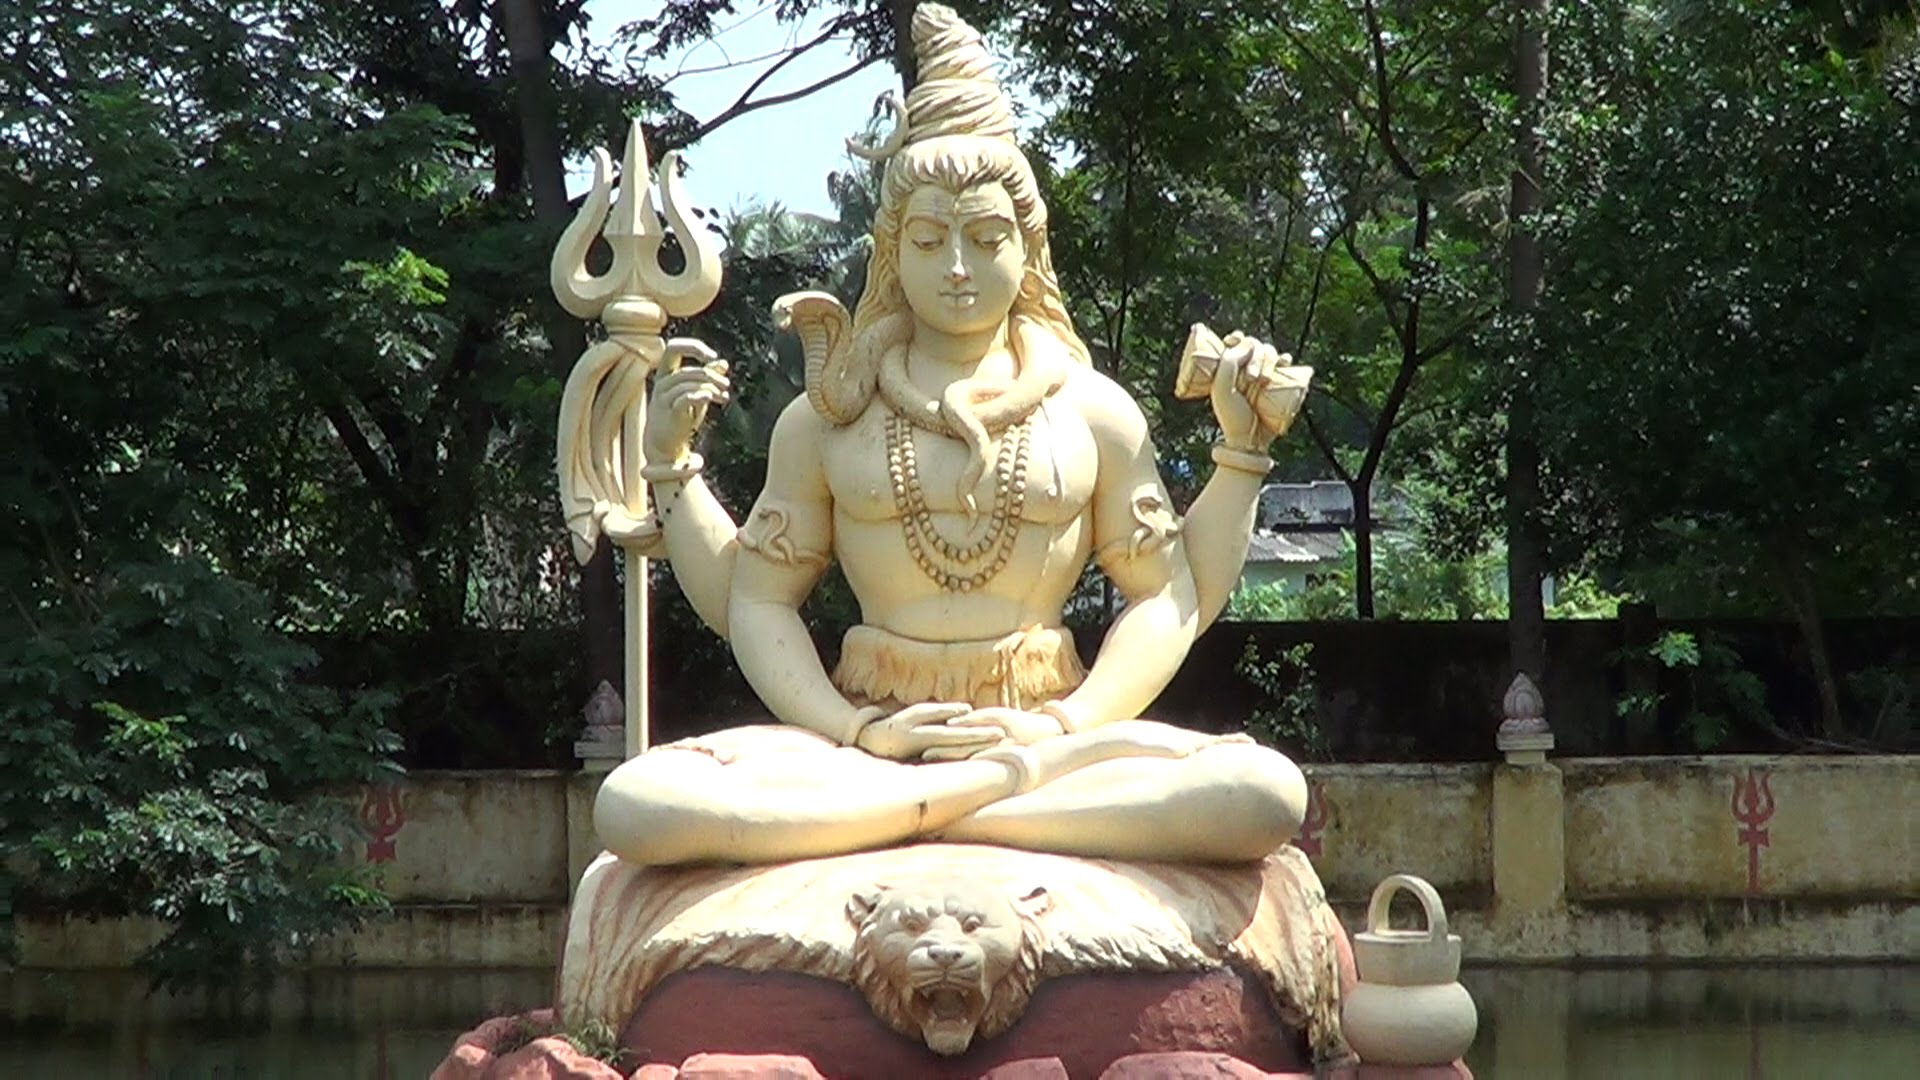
(383, 813)
(1316, 820)
(1752, 809)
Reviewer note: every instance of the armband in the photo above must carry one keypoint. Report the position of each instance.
(1246, 461)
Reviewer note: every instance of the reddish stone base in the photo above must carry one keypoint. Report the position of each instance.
(555, 1059)
(1085, 1022)
(727, 1024)
(728, 1015)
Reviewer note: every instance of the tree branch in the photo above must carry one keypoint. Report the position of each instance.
(1326, 447)
(380, 478)
(1352, 405)
(744, 103)
(1380, 287)
(1384, 89)
(1456, 335)
(1410, 358)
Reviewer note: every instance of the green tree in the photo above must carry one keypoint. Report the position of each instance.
(1317, 174)
(1730, 412)
(280, 361)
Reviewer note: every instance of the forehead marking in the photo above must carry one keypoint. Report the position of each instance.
(982, 200)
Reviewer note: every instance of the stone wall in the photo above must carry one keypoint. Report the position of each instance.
(1721, 857)
(1731, 857)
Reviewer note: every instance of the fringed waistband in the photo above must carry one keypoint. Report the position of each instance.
(1023, 670)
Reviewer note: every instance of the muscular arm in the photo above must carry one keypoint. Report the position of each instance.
(701, 546)
(783, 551)
(1215, 534)
(1137, 543)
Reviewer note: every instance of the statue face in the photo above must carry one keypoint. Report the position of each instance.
(961, 257)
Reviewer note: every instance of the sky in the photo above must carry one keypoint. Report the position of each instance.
(781, 153)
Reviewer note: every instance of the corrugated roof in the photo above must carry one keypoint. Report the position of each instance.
(1267, 547)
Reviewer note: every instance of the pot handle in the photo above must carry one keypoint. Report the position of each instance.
(1423, 892)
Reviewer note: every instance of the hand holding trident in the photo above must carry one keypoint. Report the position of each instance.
(604, 407)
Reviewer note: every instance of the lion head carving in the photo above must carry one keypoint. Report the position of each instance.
(948, 960)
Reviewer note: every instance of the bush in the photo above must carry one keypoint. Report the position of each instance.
(160, 756)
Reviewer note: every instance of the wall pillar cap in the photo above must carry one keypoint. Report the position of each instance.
(603, 743)
(1524, 735)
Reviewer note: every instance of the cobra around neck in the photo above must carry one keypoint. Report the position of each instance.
(951, 356)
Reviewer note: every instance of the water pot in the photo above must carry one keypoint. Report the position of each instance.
(1408, 1007)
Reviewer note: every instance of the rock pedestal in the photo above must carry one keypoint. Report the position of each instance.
(953, 960)
(1144, 973)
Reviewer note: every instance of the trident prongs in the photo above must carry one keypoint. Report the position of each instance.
(634, 234)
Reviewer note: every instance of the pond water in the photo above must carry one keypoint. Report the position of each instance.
(1741, 1023)
(1535, 1024)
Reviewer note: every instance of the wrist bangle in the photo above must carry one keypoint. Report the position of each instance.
(1061, 712)
(1026, 770)
(685, 469)
(1246, 461)
(862, 716)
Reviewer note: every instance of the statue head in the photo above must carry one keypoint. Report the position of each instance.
(956, 188)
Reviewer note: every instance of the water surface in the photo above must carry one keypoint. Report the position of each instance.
(1739, 1023)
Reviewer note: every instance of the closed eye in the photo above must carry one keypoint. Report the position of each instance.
(926, 235)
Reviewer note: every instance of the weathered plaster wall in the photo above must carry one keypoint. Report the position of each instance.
(1709, 858)
(1707, 827)
(483, 837)
(1365, 822)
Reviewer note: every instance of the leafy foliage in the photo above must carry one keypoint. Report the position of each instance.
(1288, 715)
(1731, 409)
(1319, 175)
(160, 757)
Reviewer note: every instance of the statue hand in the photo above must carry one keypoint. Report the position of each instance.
(1021, 727)
(919, 730)
(679, 406)
(1244, 372)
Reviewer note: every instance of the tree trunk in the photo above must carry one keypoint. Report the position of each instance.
(1526, 557)
(547, 178)
(902, 12)
(1806, 614)
(1362, 488)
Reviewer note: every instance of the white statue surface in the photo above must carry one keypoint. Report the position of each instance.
(959, 807)
(959, 456)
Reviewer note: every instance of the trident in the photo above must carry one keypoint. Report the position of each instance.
(603, 411)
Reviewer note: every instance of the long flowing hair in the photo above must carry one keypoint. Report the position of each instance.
(883, 321)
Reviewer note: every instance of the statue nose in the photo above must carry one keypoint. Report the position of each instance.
(957, 269)
(944, 955)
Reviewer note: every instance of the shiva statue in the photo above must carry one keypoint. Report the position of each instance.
(961, 458)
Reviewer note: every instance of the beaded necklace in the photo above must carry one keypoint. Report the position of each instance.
(958, 567)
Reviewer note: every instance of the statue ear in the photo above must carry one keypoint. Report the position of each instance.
(862, 904)
(1036, 903)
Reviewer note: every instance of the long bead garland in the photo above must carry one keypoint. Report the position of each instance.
(954, 567)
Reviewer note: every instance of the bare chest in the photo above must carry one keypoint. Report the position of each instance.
(1044, 470)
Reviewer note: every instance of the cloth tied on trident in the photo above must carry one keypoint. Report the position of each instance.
(603, 409)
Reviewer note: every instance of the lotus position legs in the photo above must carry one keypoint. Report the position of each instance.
(1097, 794)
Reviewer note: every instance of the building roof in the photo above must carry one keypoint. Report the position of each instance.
(1266, 547)
(1298, 548)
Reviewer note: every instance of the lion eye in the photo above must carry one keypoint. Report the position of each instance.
(970, 923)
(913, 923)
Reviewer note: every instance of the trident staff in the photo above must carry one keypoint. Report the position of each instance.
(604, 407)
